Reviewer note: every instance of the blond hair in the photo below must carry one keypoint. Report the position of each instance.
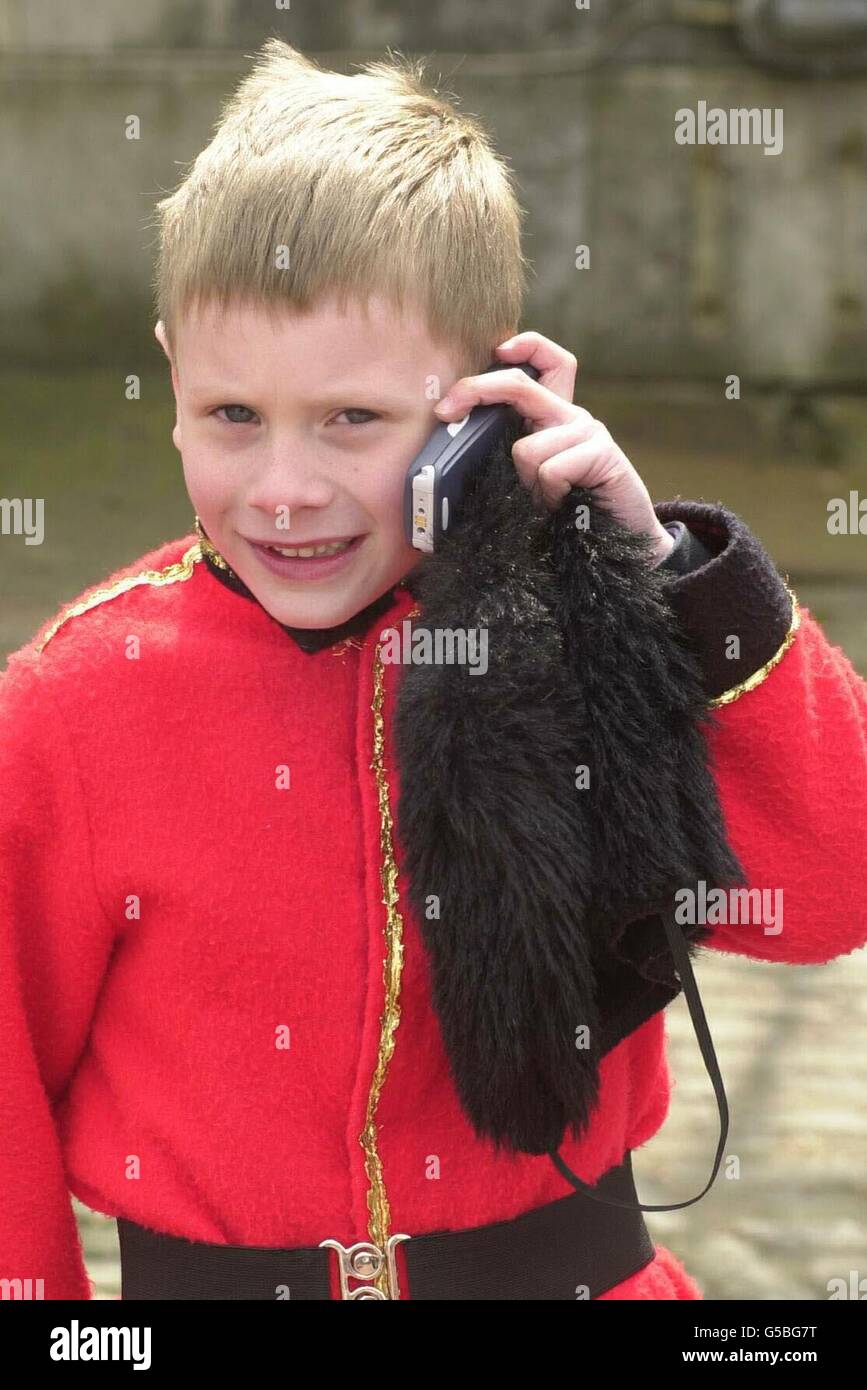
(317, 183)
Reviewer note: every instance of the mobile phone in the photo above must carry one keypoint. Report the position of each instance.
(437, 476)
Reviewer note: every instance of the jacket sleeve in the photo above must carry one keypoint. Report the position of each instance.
(788, 747)
(54, 946)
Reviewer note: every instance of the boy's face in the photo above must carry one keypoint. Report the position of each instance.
(297, 430)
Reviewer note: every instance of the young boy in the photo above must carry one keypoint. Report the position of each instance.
(217, 1016)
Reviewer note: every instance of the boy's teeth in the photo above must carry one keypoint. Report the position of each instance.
(306, 551)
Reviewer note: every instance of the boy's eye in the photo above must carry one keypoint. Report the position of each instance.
(357, 410)
(233, 419)
(242, 414)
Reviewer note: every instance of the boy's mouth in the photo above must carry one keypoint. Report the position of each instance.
(318, 560)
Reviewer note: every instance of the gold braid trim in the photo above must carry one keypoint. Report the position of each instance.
(392, 966)
(764, 671)
(209, 549)
(179, 569)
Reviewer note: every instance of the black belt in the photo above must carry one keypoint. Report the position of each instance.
(568, 1249)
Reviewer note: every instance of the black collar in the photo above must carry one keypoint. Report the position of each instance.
(309, 639)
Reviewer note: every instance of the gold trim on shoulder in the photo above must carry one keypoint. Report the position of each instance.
(211, 551)
(179, 569)
(764, 671)
(392, 966)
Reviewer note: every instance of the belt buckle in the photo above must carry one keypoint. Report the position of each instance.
(366, 1262)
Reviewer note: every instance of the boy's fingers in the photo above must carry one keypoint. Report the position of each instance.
(531, 399)
(533, 449)
(557, 367)
(582, 466)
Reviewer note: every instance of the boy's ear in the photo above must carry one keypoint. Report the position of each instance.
(162, 339)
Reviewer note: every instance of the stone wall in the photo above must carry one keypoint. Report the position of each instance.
(704, 259)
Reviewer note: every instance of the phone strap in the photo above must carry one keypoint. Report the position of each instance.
(680, 952)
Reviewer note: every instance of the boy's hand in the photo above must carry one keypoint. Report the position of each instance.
(568, 446)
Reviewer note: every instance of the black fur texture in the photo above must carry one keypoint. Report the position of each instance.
(536, 879)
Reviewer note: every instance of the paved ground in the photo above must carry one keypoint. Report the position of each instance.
(792, 1041)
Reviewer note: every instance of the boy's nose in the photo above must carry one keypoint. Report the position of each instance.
(294, 481)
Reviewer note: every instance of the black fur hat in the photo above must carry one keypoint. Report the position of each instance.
(542, 877)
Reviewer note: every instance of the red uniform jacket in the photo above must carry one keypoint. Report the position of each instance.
(215, 1017)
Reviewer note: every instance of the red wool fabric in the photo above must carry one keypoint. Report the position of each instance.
(170, 908)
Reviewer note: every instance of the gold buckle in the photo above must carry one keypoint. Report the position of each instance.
(365, 1261)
